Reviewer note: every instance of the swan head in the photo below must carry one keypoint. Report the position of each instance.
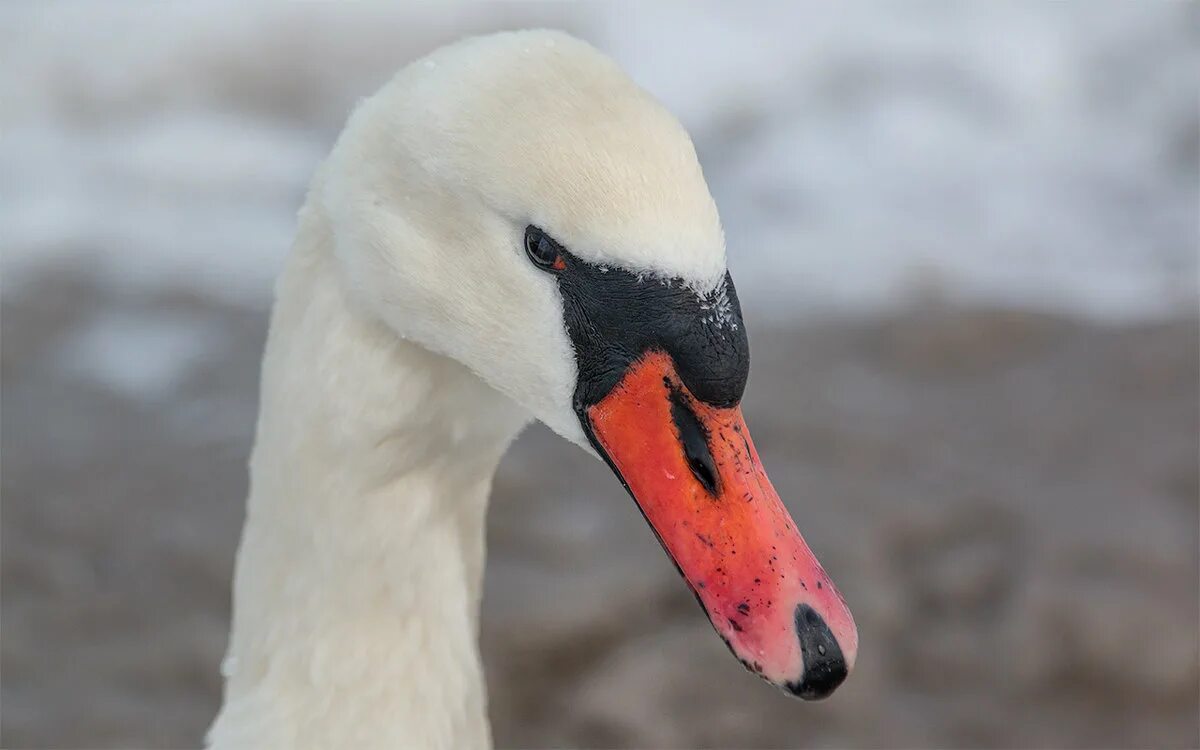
(517, 203)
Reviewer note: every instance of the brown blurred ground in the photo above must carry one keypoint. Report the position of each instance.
(1008, 501)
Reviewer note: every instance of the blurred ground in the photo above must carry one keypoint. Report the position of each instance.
(965, 237)
(1008, 500)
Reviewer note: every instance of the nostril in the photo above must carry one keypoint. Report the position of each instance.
(703, 473)
(695, 443)
(824, 664)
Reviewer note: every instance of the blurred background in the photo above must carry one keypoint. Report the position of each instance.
(965, 237)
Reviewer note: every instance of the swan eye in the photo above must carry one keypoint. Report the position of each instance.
(544, 251)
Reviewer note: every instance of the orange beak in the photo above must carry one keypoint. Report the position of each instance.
(693, 471)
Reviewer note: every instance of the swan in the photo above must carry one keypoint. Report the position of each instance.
(509, 230)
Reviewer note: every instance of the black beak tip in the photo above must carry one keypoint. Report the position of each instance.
(824, 666)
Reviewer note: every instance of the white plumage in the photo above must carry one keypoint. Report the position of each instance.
(410, 342)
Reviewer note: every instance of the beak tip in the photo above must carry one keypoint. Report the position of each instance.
(825, 666)
(805, 690)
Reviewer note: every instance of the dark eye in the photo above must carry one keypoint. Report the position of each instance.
(543, 251)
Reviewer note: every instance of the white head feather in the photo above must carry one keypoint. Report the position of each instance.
(435, 178)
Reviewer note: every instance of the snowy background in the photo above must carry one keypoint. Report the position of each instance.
(1042, 156)
(974, 223)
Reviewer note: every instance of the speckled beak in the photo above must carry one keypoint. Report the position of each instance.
(694, 472)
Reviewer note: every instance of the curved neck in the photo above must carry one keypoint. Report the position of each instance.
(357, 588)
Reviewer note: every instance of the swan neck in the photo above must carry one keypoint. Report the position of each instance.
(358, 579)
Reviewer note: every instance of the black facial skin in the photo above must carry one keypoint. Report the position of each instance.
(614, 317)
